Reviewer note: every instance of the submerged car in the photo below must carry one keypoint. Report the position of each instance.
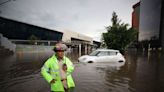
(103, 55)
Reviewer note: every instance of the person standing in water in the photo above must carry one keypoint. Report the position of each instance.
(57, 70)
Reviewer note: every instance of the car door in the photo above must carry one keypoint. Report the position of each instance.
(112, 56)
(102, 56)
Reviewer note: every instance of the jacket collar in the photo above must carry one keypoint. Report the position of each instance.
(56, 60)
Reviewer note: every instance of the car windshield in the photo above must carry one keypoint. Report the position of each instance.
(94, 53)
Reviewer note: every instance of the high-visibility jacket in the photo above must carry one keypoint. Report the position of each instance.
(50, 70)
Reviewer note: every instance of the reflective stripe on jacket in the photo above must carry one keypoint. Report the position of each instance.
(50, 70)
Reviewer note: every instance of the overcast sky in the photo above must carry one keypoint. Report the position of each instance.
(88, 17)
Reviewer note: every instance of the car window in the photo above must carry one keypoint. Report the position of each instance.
(112, 53)
(102, 53)
(94, 53)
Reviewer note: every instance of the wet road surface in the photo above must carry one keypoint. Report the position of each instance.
(142, 72)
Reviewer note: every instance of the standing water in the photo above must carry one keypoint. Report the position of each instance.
(142, 72)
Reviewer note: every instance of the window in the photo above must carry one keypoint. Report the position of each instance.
(94, 53)
(103, 53)
(112, 53)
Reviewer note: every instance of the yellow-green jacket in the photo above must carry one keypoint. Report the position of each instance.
(50, 70)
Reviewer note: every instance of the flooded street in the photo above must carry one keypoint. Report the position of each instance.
(142, 72)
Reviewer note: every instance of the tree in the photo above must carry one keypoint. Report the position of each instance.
(118, 36)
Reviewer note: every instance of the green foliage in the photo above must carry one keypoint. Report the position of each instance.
(118, 36)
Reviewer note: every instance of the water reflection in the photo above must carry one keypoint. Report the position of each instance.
(142, 72)
(20, 68)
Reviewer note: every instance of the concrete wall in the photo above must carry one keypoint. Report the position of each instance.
(68, 34)
(29, 48)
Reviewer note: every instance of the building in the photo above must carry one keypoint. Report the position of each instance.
(78, 42)
(135, 22)
(70, 36)
(97, 44)
(151, 30)
(135, 16)
(22, 32)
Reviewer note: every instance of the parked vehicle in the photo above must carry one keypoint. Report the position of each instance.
(103, 55)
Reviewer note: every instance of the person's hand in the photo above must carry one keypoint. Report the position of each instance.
(65, 67)
(52, 81)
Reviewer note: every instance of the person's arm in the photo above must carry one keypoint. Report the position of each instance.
(70, 67)
(45, 72)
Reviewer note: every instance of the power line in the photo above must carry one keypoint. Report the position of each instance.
(6, 2)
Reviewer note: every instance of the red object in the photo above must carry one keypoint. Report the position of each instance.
(135, 16)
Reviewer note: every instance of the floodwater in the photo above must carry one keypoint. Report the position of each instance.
(142, 72)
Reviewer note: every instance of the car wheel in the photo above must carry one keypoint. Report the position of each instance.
(120, 61)
(90, 61)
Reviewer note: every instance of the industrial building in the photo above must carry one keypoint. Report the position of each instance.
(147, 18)
(28, 34)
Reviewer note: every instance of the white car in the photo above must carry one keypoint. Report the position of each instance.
(103, 55)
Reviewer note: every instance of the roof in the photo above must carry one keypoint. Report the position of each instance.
(136, 5)
(33, 25)
(113, 50)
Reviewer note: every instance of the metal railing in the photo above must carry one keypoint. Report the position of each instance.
(6, 43)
